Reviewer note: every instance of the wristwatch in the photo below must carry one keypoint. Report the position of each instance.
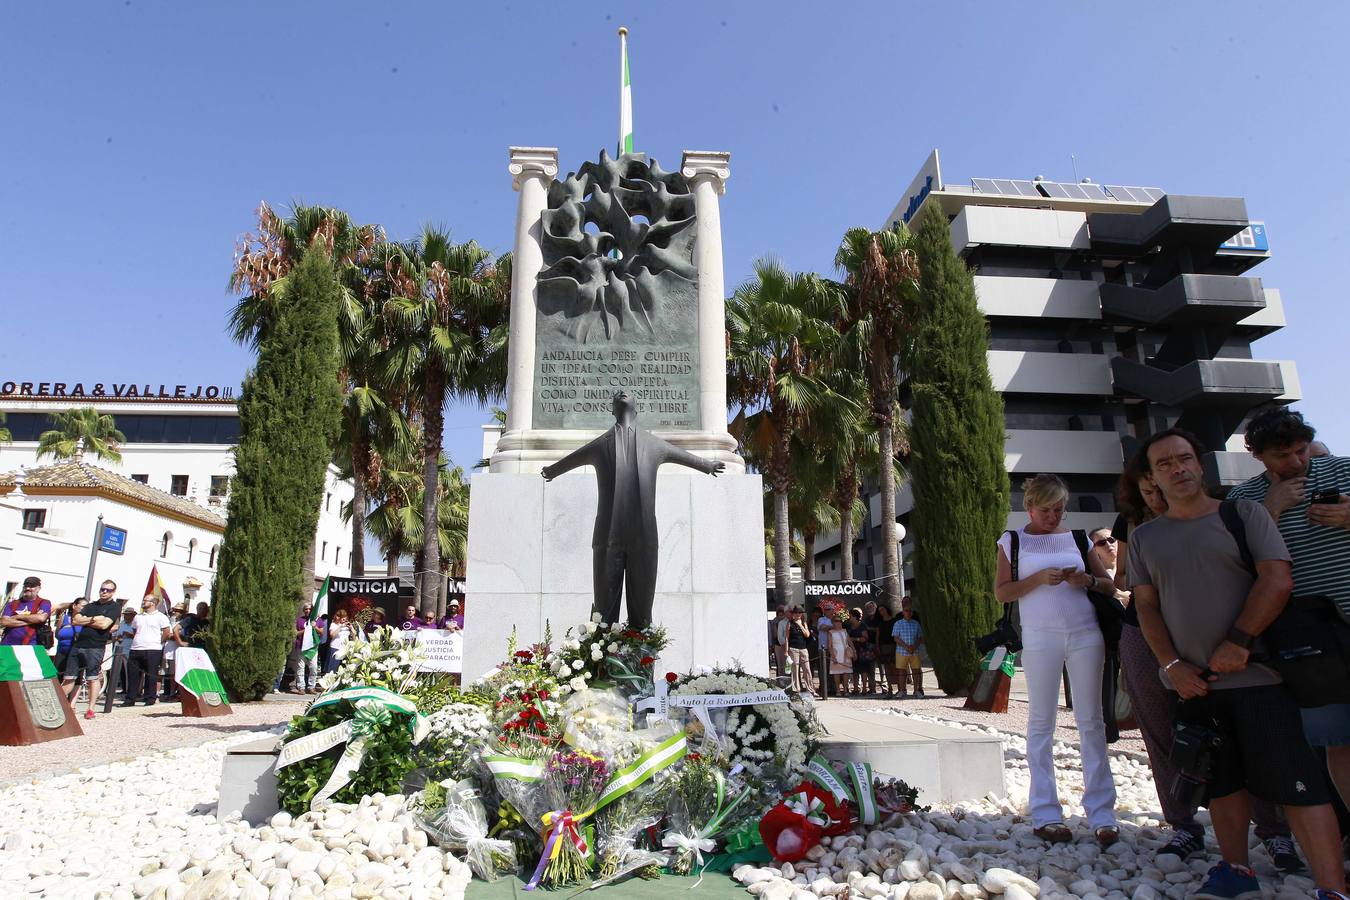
(1239, 637)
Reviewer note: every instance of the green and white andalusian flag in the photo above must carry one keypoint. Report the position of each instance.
(625, 97)
(25, 662)
(196, 673)
(309, 644)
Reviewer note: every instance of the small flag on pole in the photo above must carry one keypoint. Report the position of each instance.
(155, 587)
(309, 644)
(625, 97)
(25, 662)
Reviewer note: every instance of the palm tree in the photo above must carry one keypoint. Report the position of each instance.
(447, 305)
(809, 508)
(395, 515)
(881, 275)
(780, 332)
(79, 431)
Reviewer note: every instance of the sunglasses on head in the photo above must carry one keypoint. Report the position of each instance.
(1102, 542)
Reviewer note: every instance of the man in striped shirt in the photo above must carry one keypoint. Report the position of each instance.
(1295, 490)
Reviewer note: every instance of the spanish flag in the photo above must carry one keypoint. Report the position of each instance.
(155, 587)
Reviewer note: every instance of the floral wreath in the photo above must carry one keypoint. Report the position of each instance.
(778, 733)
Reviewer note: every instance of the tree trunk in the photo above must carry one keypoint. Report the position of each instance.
(808, 555)
(307, 591)
(442, 589)
(782, 548)
(433, 425)
(890, 559)
(358, 525)
(391, 564)
(846, 540)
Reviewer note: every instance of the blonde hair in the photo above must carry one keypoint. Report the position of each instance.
(1043, 490)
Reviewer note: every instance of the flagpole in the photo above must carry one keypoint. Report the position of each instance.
(625, 97)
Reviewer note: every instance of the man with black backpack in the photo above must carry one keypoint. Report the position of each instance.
(1203, 598)
(1307, 496)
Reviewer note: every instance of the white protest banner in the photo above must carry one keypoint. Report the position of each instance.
(443, 649)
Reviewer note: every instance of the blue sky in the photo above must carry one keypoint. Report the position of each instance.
(140, 137)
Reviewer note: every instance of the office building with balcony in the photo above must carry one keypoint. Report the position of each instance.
(1114, 312)
(169, 494)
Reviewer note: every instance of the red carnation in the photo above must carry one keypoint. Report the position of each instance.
(543, 695)
(671, 678)
(524, 654)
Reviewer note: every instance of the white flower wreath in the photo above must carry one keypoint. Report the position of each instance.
(755, 735)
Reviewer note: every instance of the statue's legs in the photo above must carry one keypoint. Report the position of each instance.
(641, 577)
(608, 580)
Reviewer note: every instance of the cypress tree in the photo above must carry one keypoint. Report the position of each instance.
(956, 467)
(288, 417)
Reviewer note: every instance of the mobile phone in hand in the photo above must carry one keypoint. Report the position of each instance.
(1330, 497)
(1068, 570)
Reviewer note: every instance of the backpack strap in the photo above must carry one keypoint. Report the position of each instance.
(1232, 520)
(1012, 553)
(1084, 548)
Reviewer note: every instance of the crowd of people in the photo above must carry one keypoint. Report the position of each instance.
(1199, 599)
(78, 635)
(866, 651)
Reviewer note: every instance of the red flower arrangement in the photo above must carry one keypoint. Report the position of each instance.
(671, 678)
(646, 660)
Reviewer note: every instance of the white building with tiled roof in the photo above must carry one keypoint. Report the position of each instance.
(174, 479)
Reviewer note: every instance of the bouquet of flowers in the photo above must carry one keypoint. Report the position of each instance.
(757, 736)
(572, 784)
(384, 660)
(602, 654)
(457, 730)
(705, 802)
(459, 822)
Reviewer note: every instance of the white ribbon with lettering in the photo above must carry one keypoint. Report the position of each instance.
(699, 704)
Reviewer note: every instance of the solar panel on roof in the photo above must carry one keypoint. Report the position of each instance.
(984, 185)
(1076, 192)
(1095, 191)
(1053, 189)
(1026, 189)
(1120, 193)
(1154, 194)
(1005, 186)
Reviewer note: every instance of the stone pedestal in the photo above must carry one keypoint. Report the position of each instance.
(196, 708)
(530, 563)
(20, 727)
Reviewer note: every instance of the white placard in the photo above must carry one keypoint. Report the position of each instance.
(443, 650)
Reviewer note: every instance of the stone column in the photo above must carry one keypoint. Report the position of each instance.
(707, 171)
(531, 168)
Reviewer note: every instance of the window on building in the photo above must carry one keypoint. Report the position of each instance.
(164, 544)
(327, 502)
(211, 564)
(142, 478)
(220, 485)
(323, 554)
(192, 549)
(178, 485)
(337, 557)
(33, 519)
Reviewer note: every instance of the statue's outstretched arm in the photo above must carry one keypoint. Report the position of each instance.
(582, 456)
(685, 458)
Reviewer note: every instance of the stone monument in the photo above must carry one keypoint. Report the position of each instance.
(616, 287)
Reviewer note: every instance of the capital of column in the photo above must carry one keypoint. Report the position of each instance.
(529, 162)
(712, 164)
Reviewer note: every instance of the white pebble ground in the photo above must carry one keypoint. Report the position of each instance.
(147, 828)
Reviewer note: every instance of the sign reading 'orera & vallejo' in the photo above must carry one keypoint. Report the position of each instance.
(115, 390)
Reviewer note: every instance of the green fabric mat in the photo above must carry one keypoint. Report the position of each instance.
(663, 888)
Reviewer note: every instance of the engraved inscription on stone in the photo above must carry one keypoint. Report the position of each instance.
(617, 298)
(211, 698)
(43, 704)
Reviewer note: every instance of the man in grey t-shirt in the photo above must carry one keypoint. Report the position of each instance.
(1200, 609)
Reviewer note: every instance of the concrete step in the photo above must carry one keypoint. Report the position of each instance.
(947, 765)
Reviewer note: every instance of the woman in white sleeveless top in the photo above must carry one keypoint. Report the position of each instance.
(1059, 629)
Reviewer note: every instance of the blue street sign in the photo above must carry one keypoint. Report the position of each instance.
(113, 540)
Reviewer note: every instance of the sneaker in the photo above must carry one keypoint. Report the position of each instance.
(1184, 844)
(903, 695)
(1284, 856)
(919, 695)
(1226, 882)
